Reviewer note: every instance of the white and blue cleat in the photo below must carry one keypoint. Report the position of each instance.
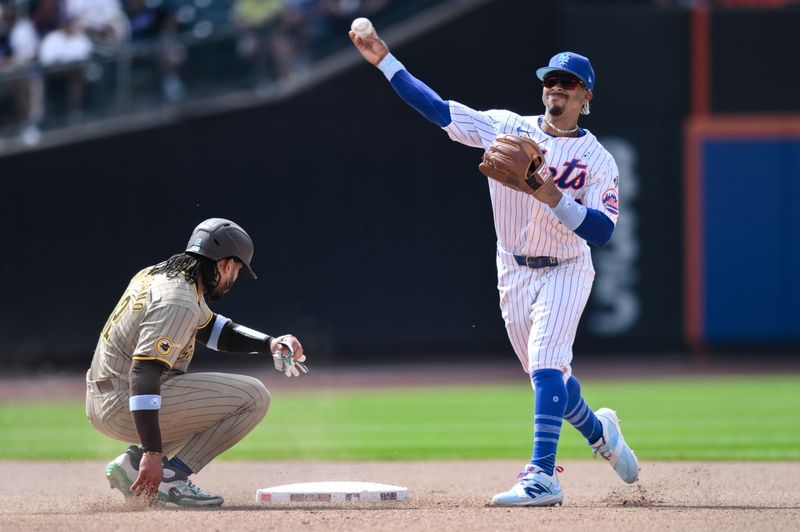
(613, 448)
(535, 488)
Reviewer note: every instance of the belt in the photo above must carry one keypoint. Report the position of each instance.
(536, 262)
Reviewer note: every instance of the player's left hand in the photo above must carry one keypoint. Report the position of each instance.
(288, 356)
(518, 163)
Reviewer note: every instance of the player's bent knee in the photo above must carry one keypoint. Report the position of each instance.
(264, 400)
(258, 397)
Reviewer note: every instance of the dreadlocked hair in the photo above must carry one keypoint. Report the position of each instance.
(190, 266)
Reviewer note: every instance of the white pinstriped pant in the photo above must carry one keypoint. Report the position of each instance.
(202, 414)
(542, 307)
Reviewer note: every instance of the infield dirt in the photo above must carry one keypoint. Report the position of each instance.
(443, 496)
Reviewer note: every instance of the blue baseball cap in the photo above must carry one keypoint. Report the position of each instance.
(572, 63)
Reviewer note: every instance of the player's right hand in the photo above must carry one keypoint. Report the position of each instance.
(372, 48)
(151, 471)
(288, 356)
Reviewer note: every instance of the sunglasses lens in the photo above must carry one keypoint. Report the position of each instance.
(566, 83)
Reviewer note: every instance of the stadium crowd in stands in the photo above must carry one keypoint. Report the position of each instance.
(63, 61)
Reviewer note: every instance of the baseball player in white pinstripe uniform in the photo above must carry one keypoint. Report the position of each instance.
(138, 388)
(544, 266)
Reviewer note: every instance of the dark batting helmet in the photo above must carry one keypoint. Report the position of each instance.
(218, 238)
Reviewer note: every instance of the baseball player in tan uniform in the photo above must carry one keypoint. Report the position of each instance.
(138, 388)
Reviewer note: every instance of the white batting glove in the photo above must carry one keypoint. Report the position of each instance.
(286, 363)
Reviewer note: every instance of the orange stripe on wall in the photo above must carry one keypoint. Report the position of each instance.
(694, 289)
(700, 88)
(748, 125)
(692, 238)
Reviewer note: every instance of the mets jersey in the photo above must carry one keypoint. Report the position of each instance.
(157, 318)
(579, 166)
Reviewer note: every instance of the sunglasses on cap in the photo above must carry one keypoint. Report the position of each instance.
(567, 82)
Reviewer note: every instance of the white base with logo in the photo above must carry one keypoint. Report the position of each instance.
(331, 492)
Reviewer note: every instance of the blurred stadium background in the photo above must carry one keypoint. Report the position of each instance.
(123, 123)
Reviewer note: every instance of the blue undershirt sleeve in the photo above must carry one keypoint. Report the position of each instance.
(415, 93)
(596, 228)
(422, 98)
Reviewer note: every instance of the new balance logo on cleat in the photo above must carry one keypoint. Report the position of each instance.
(535, 488)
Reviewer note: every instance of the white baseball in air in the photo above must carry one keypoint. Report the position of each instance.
(361, 27)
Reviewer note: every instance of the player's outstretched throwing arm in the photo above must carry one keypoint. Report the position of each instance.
(463, 124)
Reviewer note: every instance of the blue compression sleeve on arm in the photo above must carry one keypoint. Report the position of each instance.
(415, 93)
(422, 98)
(596, 228)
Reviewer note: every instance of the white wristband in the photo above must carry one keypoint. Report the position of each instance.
(390, 66)
(219, 323)
(570, 212)
(144, 402)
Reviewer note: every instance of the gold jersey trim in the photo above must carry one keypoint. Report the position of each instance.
(210, 319)
(165, 361)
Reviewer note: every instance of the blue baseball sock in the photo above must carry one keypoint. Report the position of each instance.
(177, 463)
(580, 415)
(548, 412)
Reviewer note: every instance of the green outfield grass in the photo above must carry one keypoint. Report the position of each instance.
(741, 418)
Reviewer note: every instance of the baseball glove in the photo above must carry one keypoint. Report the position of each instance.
(515, 162)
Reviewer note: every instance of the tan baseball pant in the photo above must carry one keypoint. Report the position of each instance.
(202, 414)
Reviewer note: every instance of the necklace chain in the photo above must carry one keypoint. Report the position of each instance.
(549, 123)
